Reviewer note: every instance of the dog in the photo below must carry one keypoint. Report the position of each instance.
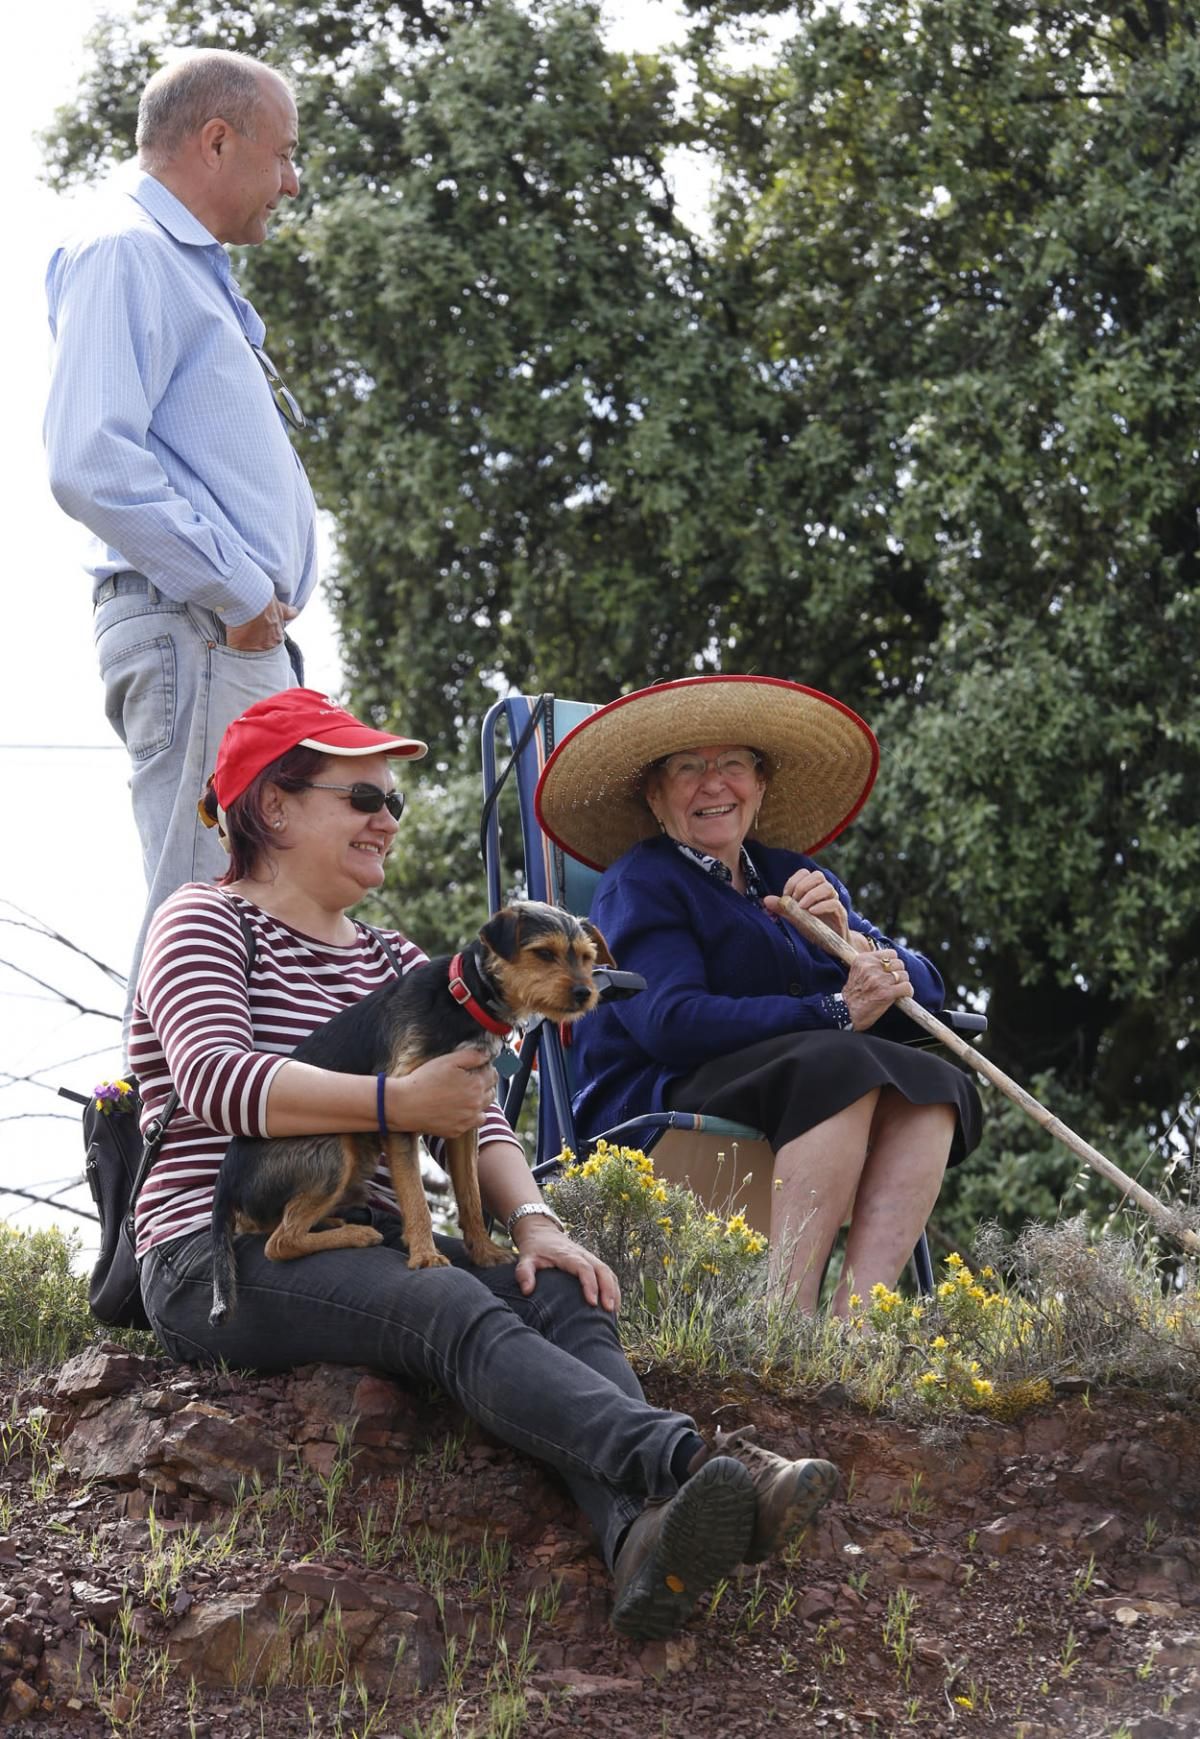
(528, 960)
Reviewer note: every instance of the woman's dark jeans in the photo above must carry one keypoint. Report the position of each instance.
(544, 1373)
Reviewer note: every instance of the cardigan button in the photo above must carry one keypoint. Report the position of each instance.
(795, 989)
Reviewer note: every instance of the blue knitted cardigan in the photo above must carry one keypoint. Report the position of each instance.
(721, 973)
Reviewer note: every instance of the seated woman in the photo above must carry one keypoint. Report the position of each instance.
(700, 800)
(306, 802)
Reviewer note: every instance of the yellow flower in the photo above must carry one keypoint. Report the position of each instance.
(665, 1222)
(981, 1386)
(987, 1273)
(939, 1340)
(929, 1377)
(855, 1301)
(946, 1289)
(954, 1260)
(965, 1702)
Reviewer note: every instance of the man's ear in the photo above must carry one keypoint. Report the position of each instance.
(213, 140)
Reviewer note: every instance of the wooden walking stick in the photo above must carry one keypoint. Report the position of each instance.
(1164, 1217)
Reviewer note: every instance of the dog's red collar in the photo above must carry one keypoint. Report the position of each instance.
(461, 992)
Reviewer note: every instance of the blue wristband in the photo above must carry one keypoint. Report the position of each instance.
(380, 1116)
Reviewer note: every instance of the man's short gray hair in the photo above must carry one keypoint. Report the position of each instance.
(207, 84)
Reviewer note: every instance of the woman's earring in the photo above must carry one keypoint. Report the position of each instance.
(661, 826)
(277, 823)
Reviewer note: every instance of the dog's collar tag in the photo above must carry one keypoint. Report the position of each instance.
(461, 992)
(506, 1063)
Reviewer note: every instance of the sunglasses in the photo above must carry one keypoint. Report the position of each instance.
(368, 799)
(286, 401)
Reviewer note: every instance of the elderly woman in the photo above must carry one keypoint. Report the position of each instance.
(701, 801)
(234, 977)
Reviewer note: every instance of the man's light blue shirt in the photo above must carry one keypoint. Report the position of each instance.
(161, 430)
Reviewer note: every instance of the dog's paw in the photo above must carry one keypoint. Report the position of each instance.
(486, 1254)
(428, 1259)
(357, 1237)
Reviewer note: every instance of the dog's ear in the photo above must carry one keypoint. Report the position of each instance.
(502, 933)
(603, 956)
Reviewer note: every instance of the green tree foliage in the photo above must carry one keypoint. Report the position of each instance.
(913, 422)
(968, 239)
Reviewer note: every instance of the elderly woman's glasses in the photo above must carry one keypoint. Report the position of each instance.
(367, 798)
(734, 764)
(285, 398)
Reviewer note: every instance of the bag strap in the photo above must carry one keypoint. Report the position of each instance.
(393, 957)
(156, 1129)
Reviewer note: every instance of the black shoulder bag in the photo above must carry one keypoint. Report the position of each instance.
(117, 1164)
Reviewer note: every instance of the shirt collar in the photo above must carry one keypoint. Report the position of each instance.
(169, 211)
(756, 887)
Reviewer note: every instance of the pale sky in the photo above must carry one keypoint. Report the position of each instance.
(72, 860)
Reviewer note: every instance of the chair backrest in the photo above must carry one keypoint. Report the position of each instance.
(533, 726)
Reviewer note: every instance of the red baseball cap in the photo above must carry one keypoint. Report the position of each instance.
(297, 718)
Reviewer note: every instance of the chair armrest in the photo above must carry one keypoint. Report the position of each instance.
(614, 985)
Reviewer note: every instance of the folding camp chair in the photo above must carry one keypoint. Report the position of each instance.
(686, 1145)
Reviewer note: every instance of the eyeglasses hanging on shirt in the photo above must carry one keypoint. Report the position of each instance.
(285, 399)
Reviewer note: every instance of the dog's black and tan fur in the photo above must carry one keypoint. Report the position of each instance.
(529, 959)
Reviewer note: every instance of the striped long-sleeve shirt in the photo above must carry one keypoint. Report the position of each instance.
(201, 1025)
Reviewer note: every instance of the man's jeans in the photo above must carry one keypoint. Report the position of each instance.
(545, 1374)
(171, 687)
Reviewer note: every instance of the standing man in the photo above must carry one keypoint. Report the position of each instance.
(168, 436)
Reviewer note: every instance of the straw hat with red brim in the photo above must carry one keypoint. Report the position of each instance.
(296, 718)
(820, 760)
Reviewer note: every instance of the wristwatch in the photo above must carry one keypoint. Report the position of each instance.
(527, 1208)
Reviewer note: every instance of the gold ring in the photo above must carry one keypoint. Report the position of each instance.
(896, 975)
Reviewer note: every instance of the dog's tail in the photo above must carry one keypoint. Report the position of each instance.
(224, 1262)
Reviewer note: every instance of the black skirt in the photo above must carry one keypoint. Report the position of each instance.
(787, 1085)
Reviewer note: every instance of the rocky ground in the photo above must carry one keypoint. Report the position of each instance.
(187, 1553)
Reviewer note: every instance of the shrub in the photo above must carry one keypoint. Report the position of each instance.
(44, 1315)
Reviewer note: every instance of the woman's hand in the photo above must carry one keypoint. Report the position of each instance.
(540, 1244)
(874, 983)
(811, 890)
(447, 1096)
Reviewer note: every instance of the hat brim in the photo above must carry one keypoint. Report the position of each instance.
(821, 761)
(366, 742)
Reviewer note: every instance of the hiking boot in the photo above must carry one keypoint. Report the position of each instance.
(677, 1548)
(788, 1493)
